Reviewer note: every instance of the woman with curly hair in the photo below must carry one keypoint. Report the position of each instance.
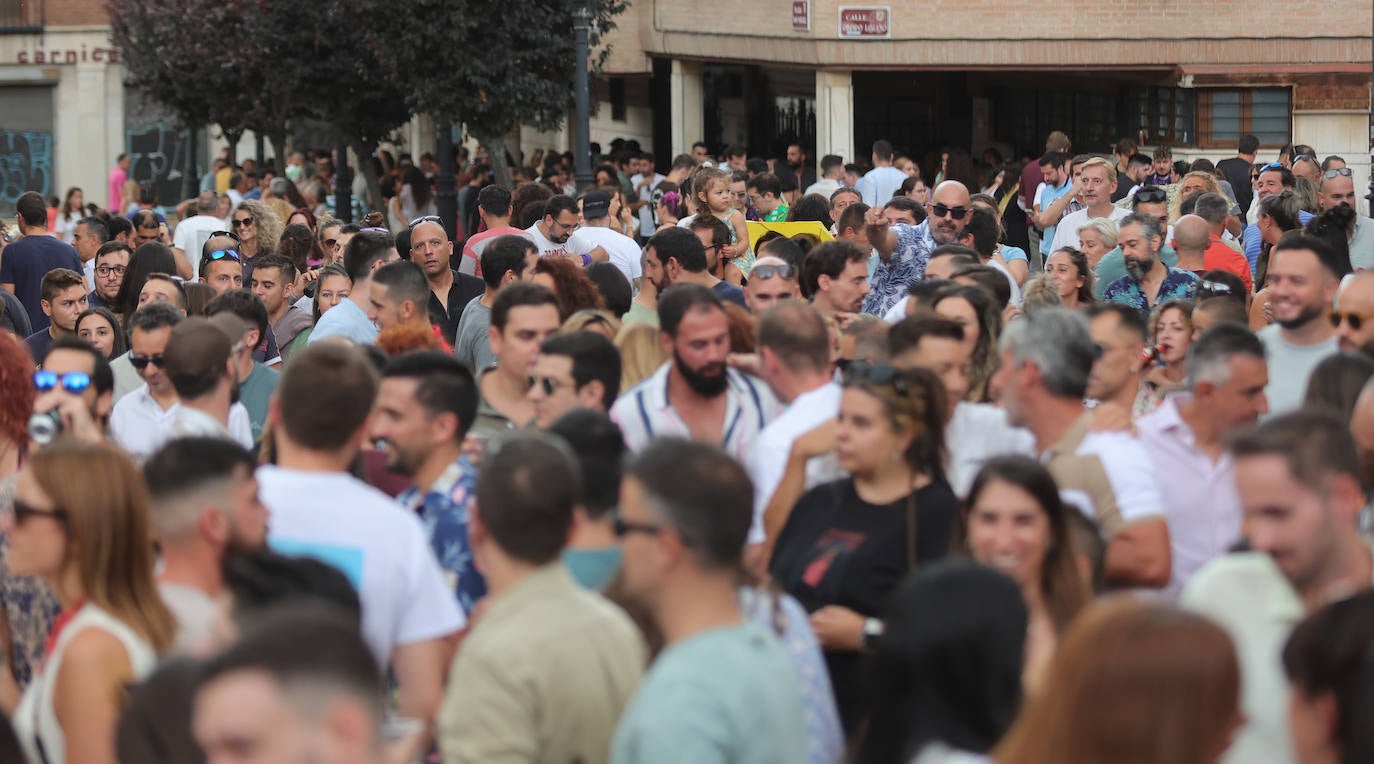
(572, 285)
(258, 226)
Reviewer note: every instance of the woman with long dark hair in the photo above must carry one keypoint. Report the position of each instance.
(847, 544)
(946, 675)
(148, 258)
(977, 311)
(1015, 522)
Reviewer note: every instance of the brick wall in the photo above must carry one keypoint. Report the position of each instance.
(64, 13)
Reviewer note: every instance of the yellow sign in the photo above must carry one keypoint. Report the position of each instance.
(815, 230)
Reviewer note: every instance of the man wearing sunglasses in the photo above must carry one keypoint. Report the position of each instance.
(771, 281)
(140, 416)
(904, 251)
(77, 385)
(1353, 315)
(1337, 187)
(574, 371)
(193, 232)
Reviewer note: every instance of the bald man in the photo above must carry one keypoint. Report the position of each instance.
(449, 290)
(904, 250)
(1355, 309)
(771, 281)
(1338, 187)
(1199, 251)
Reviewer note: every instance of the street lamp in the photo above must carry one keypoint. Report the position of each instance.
(582, 154)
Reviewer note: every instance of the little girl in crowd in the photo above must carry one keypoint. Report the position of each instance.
(712, 186)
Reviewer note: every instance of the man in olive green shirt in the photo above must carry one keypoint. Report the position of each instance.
(548, 667)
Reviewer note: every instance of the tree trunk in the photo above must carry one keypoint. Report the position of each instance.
(278, 140)
(369, 171)
(232, 136)
(496, 149)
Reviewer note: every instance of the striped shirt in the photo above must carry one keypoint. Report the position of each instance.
(644, 412)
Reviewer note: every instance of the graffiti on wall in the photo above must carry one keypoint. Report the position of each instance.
(25, 164)
(157, 155)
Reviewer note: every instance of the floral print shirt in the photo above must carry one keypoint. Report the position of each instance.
(444, 511)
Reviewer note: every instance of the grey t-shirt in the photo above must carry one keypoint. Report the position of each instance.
(1289, 368)
(470, 345)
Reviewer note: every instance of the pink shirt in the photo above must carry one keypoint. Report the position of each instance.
(1201, 504)
(117, 178)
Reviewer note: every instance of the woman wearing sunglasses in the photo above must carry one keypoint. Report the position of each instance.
(90, 541)
(847, 544)
(258, 227)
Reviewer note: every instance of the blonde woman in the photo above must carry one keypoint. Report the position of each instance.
(591, 320)
(641, 353)
(90, 540)
(259, 228)
(1096, 238)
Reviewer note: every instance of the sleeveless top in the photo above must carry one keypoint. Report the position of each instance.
(35, 721)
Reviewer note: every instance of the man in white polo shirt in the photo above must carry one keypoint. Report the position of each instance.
(317, 509)
(1046, 358)
(596, 234)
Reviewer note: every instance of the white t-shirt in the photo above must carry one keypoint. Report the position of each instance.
(825, 187)
(191, 235)
(140, 426)
(380, 547)
(646, 213)
(767, 461)
(976, 433)
(545, 246)
(623, 250)
(1131, 473)
(1015, 287)
(1066, 234)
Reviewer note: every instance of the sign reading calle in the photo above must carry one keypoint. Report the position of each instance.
(865, 23)
(801, 15)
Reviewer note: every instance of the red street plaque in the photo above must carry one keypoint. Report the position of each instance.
(863, 23)
(801, 15)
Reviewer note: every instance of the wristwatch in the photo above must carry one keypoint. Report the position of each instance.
(873, 631)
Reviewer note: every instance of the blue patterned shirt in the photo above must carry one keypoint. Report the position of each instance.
(1178, 285)
(906, 265)
(444, 512)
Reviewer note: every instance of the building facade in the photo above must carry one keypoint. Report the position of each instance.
(1192, 74)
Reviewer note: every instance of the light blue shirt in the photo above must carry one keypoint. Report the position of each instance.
(1048, 195)
(725, 695)
(345, 320)
(878, 186)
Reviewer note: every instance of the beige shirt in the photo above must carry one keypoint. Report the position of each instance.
(543, 676)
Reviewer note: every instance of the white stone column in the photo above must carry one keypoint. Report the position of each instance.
(835, 114)
(687, 107)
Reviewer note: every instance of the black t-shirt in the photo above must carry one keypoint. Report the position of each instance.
(838, 549)
(1237, 171)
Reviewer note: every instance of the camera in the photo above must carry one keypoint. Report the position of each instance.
(45, 426)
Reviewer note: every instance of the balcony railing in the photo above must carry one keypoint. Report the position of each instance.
(21, 16)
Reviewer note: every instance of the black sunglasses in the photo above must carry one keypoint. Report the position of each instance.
(243, 222)
(940, 210)
(1355, 319)
(1152, 195)
(140, 362)
(23, 511)
(549, 384)
(230, 234)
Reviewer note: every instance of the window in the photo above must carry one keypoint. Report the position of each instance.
(1226, 115)
(1157, 116)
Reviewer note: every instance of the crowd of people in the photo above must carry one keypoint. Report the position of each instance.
(1062, 460)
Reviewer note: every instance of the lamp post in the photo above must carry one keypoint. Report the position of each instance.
(582, 153)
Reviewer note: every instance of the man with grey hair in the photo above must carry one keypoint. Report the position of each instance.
(1186, 439)
(1216, 210)
(1043, 375)
(194, 231)
(1148, 281)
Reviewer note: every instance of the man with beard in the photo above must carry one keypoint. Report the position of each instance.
(695, 395)
(1354, 313)
(425, 405)
(1304, 275)
(111, 261)
(1186, 439)
(204, 501)
(1299, 480)
(450, 291)
(551, 232)
(1148, 281)
(904, 250)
